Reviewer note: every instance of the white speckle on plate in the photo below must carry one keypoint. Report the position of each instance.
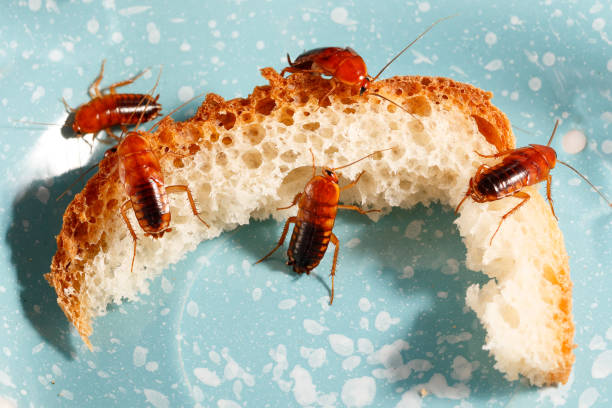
(139, 357)
(341, 344)
(588, 398)
(117, 37)
(535, 84)
(256, 294)
(413, 230)
(606, 146)
(364, 304)
(304, 390)
(575, 181)
(442, 295)
(364, 323)
(151, 366)
(7, 352)
(34, 5)
(287, 304)
(306, 17)
(548, 59)
(37, 349)
(38, 93)
(359, 392)
(56, 55)
(313, 327)
(514, 95)
(166, 285)
(451, 267)
(339, 15)
(609, 65)
(93, 25)
(185, 93)
(407, 273)
(607, 117)
(66, 394)
(557, 395)
(462, 369)
(128, 61)
(128, 11)
(156, 398)
(494, 65)
(6, 380)
(207, 376)
(514, 20)
(365, 346)
(490, 38)
(212, 24)
(454, 338)
(350, 363)
(223, 403)
(384, 321)
(602, 366)
(42, 194)
(438, 386)
(424, 7)
(153, 33)
(609, 333)
(259, 45)
(185, 46)
(596, 8)
(192, 309)
(316, 357)
(598, 24)
(597, 343)
(353, 243)
(573, 141)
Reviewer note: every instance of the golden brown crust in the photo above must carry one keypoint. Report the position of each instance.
(82, 235)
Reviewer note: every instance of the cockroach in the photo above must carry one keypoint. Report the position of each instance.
(519, 168)
(106, 110)
(343, 65)
(140, 173)
(317, 207)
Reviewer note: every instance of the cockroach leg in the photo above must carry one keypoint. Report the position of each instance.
(183, 188)
(290, 220)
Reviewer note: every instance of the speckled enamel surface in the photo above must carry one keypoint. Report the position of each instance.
(217, 331)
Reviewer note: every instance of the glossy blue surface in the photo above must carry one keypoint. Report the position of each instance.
(216, 331)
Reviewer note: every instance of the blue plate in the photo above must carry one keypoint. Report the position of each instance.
(217, 331)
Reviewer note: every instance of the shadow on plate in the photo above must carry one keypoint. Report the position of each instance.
(37, 219)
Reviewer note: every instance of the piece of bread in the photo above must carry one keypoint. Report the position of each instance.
(250, 156)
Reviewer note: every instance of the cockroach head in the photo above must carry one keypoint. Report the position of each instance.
(365, 85)
(68, 126)
(330, 174)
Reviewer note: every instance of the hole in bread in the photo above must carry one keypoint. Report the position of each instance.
(252, 159)
(312, 126)
(326, 133)
(488, 131)
(349, 110)
(398, 91)
(227, 120)
(425, 81)
(227, 140)
(247, 117)
(269, 151)
(299, 137)
(214, 136)
(221, 159)
(348, 101)
(294, 182)
(391, 108)
(289, 156)
(287, 116)
(265, 106)
(178, 163)
(331, 150)
(418, 105)
(255, 134)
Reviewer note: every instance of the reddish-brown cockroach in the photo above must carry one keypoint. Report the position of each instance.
(141, 174)
(317, 207)
(104, 111)
(520, 167)
(342, 65)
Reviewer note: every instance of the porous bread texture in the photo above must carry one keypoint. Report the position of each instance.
(250, 156)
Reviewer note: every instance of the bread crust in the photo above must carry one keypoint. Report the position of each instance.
(83, 235)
